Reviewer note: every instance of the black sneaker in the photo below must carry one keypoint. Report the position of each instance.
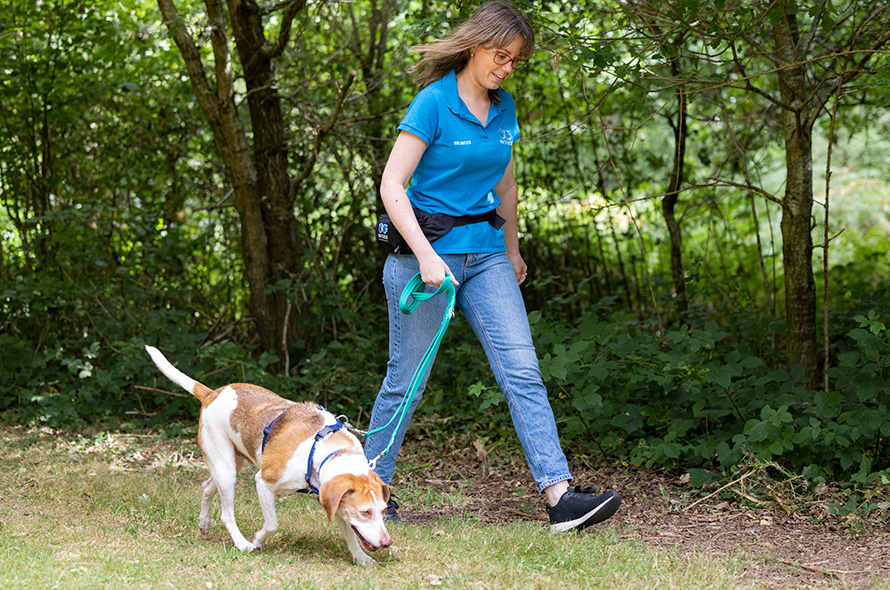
(392, 516)
(579, 508)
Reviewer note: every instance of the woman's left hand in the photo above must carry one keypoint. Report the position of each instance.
(520, 268)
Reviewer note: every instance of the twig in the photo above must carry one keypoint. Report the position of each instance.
(828, 572)
(748, 497)
(732, 483)
(173, 393)
(775, 496)
(284, 328)
(235, 364)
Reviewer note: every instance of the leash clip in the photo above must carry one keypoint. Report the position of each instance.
(372, 464)
(342, 418)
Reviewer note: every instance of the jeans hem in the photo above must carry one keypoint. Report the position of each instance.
(554, 480)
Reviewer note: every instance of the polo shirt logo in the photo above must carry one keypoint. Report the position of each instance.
(466, 142)
(506, 136)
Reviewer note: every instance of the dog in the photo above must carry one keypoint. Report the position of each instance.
(295, 446)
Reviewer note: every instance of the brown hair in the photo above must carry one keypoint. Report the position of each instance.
(494, 24)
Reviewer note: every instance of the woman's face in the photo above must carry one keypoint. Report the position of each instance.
(490, 67)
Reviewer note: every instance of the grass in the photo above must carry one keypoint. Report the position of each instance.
(120, 511)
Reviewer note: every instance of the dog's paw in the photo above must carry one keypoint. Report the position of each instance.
(204, 522)
(363, 560)
(246, 547)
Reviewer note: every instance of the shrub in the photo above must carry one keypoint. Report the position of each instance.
(689, 396)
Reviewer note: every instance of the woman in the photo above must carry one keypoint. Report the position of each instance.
(453, 159)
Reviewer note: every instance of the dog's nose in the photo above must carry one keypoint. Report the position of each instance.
(385, 541)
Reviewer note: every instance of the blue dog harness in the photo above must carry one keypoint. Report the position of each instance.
(322, 434)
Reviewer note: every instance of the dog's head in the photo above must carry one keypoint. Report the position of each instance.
(360, 500)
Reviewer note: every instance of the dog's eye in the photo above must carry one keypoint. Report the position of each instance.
(366, 513)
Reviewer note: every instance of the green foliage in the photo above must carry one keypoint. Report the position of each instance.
(880, 83)
(690, 396)
(117, 228)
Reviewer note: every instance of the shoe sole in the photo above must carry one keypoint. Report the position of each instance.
(599, 514)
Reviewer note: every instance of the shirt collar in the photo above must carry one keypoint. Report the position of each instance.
(457, 106)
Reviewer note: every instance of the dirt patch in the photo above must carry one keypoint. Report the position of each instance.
(795, 540)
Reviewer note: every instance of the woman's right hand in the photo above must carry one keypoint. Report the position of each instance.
(433, 270)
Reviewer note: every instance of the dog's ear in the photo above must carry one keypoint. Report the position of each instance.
(332, 491)
(383, 487)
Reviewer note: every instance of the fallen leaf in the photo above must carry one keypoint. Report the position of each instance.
(434, 580)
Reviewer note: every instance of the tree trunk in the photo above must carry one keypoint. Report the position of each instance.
(273, 195)
(669, 201)
(259, 178)
(797, 208)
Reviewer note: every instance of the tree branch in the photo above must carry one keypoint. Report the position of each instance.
(767, 195)
(751, 88)
(222, 60)
(192, 57)
(846, 75)
(320, 135)
(291, 9)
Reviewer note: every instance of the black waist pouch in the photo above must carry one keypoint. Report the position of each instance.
(433, 225)
(389, 237)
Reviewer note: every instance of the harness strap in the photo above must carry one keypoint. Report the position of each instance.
(322, 434)
(268, 429)
(325, 460)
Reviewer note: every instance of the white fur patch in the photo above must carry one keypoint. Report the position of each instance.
(217, 418)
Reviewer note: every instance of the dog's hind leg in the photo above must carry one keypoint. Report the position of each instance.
(223, 465)
(209, 489)
(270, 517)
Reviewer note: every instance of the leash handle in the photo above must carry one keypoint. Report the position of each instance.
(412, 295)
(415, 292)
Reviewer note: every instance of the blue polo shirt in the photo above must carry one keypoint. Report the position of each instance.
(462, 163)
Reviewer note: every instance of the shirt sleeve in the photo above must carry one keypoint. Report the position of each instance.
(422, 118)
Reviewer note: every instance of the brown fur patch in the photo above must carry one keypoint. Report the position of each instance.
(200, 428)
(361, 488)
(342, 440)
(333, 490)
(204, 394)
(257, 407)
(300, 423)
(207, 398)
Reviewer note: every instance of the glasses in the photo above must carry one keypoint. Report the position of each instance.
(503, 59)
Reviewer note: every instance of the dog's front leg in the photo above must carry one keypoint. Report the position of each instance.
(358, 555)
(270, 516)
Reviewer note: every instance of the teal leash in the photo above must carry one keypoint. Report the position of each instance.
(412, 296)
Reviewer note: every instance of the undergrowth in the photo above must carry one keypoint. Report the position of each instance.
(703, 396)
(690, 397)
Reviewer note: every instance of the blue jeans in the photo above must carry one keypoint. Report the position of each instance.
(489, 297)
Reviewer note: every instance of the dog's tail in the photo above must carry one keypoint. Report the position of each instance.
(199, 390)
